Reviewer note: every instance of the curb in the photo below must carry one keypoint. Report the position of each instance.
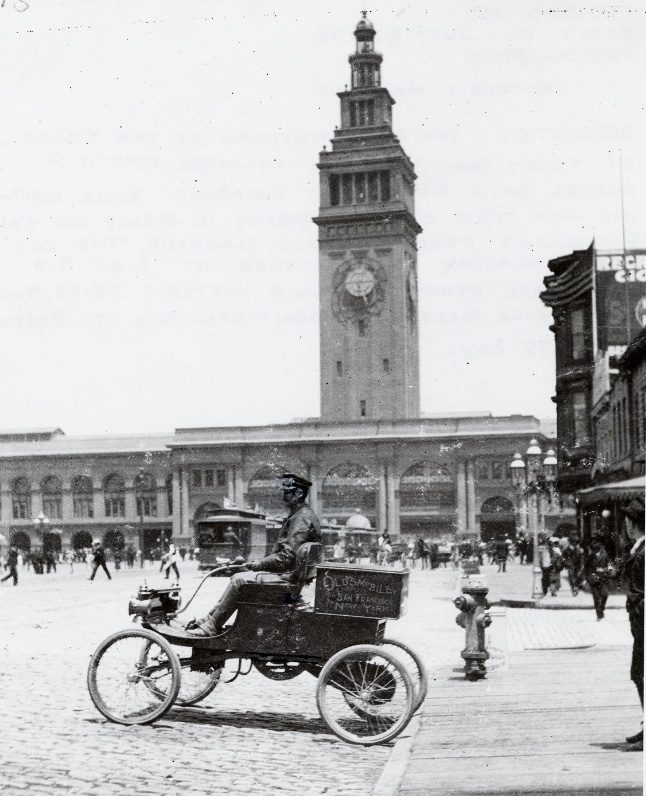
(397, 763)
(511, 603)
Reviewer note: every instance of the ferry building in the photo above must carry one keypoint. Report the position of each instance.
(371, 449)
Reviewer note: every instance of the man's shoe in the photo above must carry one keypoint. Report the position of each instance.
(635, 747)
(198, 632)
(638, 736)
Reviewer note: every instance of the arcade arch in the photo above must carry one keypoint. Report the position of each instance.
(81, 540)
(348, 487)
(21, 540)
(204, 510)
(497, 519)
(114, 540)
(263, 491)
(427, 494)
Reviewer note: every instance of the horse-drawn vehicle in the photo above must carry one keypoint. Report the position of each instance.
(368, 686)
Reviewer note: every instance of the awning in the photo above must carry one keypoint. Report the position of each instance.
(619, 490)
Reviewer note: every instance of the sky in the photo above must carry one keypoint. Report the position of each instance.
(158, 260)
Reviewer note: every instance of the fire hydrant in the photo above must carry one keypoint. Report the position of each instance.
(474, 618)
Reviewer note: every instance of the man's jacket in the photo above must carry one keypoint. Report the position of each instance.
(634, 580)
(301, 526)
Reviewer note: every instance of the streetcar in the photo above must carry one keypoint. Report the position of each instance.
(228, 533)
(359, 543)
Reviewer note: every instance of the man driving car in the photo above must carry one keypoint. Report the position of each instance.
(300, 526)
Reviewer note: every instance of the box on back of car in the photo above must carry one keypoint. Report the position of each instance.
(369, 591)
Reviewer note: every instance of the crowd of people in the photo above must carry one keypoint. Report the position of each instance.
(97, 557)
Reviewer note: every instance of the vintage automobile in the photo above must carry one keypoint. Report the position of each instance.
(368, 686)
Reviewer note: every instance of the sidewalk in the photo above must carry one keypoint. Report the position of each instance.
(514, 588)
(550, 718)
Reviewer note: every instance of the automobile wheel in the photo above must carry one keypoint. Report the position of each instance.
(365, 695)
(414, 666)
(127, 680)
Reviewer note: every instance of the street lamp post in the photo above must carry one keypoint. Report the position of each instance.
(532, 480)
(40, 525)
(139, 480)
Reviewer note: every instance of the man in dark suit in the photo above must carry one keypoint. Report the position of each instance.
(634, 583)
(98, 559)
(300, 526)
(11, 565)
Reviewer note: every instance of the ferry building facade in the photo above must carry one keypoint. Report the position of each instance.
(371, 450)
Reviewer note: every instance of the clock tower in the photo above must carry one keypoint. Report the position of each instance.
(367, 255)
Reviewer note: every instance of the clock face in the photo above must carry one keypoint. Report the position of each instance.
(360, 281)
(358, 289)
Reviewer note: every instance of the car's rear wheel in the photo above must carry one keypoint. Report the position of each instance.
(365, 695)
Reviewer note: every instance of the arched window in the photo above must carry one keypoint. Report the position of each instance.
(427, 485)
(146, 495)
(21, 540)
(263, 491)
(349, 487)
(83, 498)
(81, 540)
(114, 496)
(497, 519)
(114, 540)
(52, 490)
(498, 506)
(21, 499)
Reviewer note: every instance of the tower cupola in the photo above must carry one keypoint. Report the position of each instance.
(365, 62)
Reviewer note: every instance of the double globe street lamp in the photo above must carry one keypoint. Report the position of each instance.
(41, 525)
(534, 479)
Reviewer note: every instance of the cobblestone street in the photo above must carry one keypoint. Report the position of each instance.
(251, 736)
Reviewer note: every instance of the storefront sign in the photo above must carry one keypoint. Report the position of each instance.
(620, 296)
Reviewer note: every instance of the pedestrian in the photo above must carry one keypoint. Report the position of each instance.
(511, 548)
(501, 554)
(432, 556)
(98, 559)
(573, 562)
(38, 562)
(50, 561)
(544, 562)
(12, 565)
(118, 558)
(182, 553)
(634, 585)
(597, 574)
(337, 551)
(69, 559)
(385, 549)
(420, 552)
(555, 568)
(171, 560)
